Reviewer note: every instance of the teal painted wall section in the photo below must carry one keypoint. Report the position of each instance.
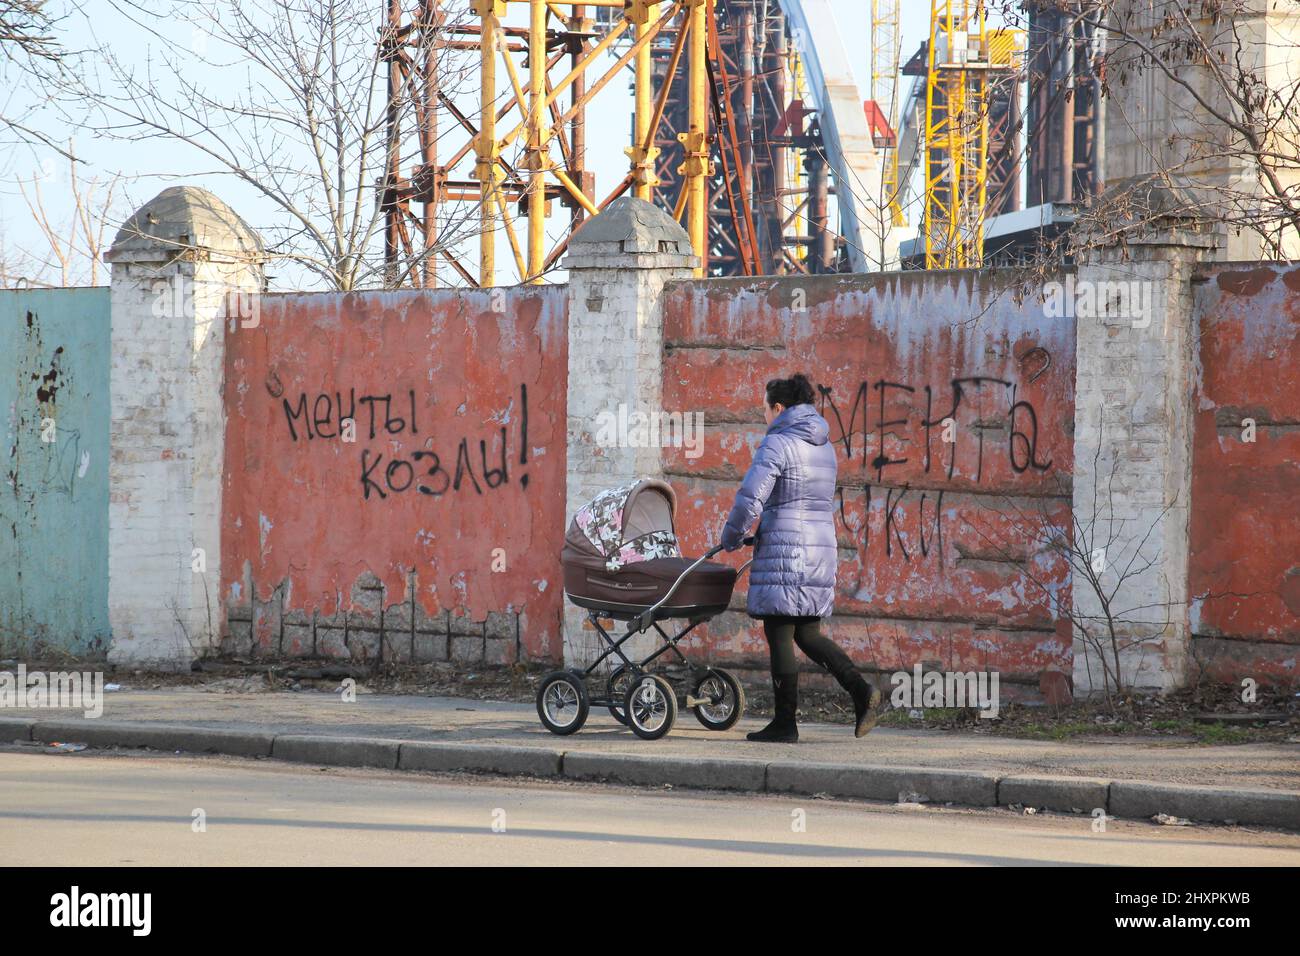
(54, 363)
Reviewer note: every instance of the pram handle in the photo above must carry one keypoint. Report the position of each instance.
(646, 617)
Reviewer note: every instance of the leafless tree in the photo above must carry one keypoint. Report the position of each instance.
(1225, 134)
(290, 98)
(32, 61)
(1203, 122)
(72, 249)
(1105, 555)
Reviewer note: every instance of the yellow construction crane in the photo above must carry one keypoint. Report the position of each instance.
(885, 52)
(535, 117)
(964, 58)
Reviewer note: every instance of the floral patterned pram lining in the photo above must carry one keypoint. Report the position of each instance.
(601, 520)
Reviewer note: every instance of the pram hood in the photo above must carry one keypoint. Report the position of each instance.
(627, 524)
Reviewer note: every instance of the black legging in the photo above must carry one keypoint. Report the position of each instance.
(783, 633)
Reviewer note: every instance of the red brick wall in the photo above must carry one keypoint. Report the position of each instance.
(1245, 525)
(938, 553)
(385, 547)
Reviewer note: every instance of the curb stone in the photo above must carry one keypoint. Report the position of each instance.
(1276, 808)
(483, 758)
(1064, 794)
(1121, 798)
(718, 773)
(337, 751)
(95, 733)
(972, 788)
(19, 725)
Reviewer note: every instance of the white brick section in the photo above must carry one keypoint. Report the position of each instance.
(167, 439)
(616, 342)
(1132, 468)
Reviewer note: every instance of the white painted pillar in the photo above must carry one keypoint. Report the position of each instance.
(618, 264)
(1136, 354)
(174, 263)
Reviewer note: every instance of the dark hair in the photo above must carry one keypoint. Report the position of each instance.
(795, 390)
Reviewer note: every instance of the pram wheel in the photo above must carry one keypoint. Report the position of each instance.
(650, 706)
(562, 702)
(726, 699)
(616, 690)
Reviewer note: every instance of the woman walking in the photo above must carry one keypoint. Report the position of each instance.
(791, 483)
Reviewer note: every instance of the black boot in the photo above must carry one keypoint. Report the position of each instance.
(866, 704)
(782, 729)
(866, 699)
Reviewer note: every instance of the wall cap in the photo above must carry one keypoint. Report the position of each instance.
(631, 234)
(186, 223)
(1142, 212)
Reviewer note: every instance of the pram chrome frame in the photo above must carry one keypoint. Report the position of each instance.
(638, 623)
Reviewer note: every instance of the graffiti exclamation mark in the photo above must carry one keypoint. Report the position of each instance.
(523, 431)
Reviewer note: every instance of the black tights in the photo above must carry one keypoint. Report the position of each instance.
(783, 633)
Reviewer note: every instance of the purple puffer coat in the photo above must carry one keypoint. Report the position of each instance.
(792, 482)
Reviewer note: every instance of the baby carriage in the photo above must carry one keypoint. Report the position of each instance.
(621, 561)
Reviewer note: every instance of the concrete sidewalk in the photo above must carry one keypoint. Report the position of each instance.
(1138, 777)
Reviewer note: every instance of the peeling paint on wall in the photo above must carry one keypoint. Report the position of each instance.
(380, 447)
(1245, 522)
(54, 366)
(937, 558)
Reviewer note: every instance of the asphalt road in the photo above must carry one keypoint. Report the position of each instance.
(123, 809)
